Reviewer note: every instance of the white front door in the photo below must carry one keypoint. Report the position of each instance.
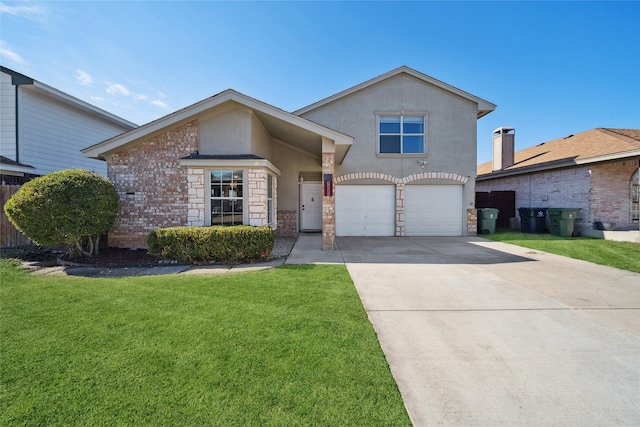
(311, 206)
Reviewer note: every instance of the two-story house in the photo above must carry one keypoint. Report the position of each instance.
(393, 156)
(43, 129)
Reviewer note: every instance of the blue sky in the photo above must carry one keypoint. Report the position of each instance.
(553, 68)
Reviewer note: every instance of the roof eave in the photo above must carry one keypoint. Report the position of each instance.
(558, 164)
(101, 149)
(484, 107)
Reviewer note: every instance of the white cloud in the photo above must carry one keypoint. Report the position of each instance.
(117, 88)
(24, 10)
(159, 103)
(83, 79)
(97, 98)
(6, 52)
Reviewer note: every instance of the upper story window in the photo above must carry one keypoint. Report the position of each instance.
(402, 134)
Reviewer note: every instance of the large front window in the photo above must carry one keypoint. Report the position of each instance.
(227, 191)
(401, 134)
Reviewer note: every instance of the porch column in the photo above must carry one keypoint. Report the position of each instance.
(328, 199)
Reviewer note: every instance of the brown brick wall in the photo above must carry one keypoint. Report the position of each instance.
(600, 191)
(610, 192)
(563, 188)
(287, 223)
(151, 184)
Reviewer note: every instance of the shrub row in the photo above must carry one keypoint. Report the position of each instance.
(208, 244)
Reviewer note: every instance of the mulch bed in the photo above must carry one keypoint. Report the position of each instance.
(108, 257)
(115, 257)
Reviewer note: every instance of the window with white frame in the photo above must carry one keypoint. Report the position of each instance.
(270, 211)
(227, 202)
(401, 134)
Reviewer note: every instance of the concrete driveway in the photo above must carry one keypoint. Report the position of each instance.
(485, 333)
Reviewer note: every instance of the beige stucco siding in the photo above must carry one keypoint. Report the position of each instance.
(292, 163)
(451, 126)
(260, 139)
(235, 131)
(225, 133)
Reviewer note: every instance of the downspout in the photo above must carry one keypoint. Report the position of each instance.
(17, 126)
(17, 80)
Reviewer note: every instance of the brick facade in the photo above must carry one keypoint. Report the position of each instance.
(600, 191)
(196, 196)
(611, 192)
(472, 222)
(151, 184)
(400, 209)
(287, 223)
(328, 206)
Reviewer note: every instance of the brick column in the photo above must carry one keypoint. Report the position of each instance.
(257, 195)
(195, 186)
(328, 202)
(472, 222)
(399, 210)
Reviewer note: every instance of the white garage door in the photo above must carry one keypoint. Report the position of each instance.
(365, 210)
(433, 210)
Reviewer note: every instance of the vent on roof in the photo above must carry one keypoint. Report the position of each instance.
(567, 137)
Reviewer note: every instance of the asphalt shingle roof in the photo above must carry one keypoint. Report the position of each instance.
(593, 143)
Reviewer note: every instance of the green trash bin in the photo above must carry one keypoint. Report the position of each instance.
(562, 221)
(487, 220)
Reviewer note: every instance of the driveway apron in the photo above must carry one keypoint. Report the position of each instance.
(486, 333)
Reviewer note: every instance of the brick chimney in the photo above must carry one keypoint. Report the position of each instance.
(503, 147)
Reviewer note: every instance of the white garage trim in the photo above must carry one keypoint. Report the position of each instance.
(365, 210)
(433, 210)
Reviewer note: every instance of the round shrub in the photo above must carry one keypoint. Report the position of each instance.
(72, 207)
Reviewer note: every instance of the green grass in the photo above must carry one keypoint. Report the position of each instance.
(287, 346)
(624, 255)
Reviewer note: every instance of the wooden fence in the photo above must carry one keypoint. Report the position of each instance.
(504, 201)
(9, 235)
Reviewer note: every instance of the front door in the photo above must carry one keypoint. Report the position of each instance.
(311, 206)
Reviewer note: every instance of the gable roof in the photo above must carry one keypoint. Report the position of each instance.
(343, 142)
(484, 107)
(8, 165)
(592, 146)
(18, 79)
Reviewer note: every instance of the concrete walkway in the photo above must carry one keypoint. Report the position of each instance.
(485, 333)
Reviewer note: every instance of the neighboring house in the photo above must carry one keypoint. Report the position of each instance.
(43, 129)
(393, 156)
(595, 171)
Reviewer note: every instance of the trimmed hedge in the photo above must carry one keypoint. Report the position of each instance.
(208, 244)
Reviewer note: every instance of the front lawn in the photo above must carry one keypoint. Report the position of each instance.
(286, 346)
(624, 255)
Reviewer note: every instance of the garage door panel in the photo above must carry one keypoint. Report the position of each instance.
(365, 210)
(433, 210)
